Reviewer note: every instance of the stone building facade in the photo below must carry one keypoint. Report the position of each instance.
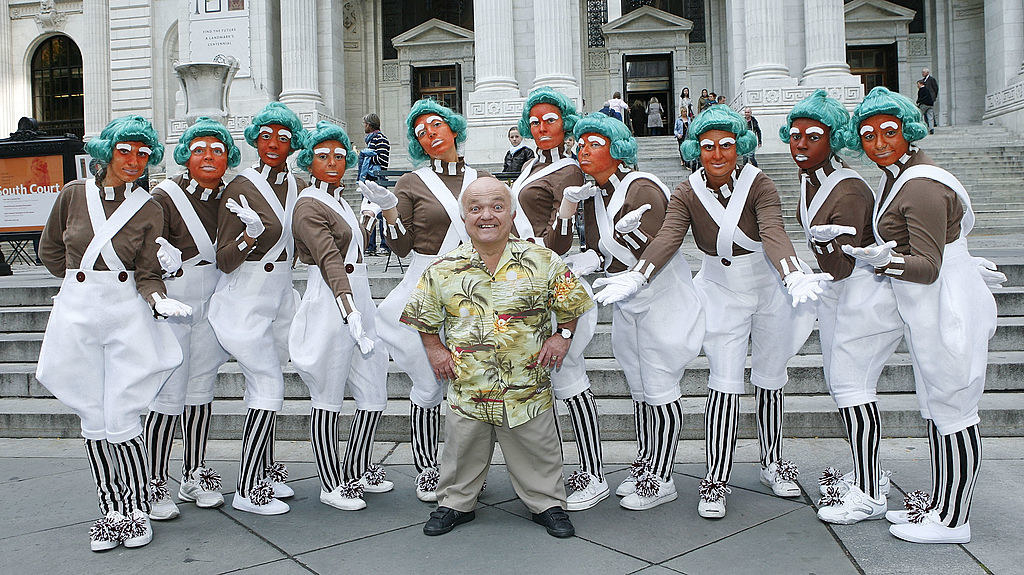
(75, 64)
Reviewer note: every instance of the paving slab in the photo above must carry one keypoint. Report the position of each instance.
(496, 542)
(282, 567)
(14, 470)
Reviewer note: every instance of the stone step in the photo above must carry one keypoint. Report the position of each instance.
(1005, 374)
(1002, 415)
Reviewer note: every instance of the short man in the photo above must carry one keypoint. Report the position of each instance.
(607, 110)
(933, 86)
(753, 127)
(925, 103)
(619, 105)
(372, 160)
(494, 296)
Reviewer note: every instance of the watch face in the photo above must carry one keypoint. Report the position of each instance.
(566, 333)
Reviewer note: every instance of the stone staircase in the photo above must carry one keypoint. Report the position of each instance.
(28, 410)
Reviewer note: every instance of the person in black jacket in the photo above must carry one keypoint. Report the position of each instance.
(925, 103)
(753, 127)
(518, 154)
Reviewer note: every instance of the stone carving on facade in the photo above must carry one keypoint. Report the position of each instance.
(597, 60)
(47, 14)
(917, 46)
(49, 17)
(389, 72)
(1006, 100)
(785, 98)
(488, 108)
(699, 55)
(350, 16)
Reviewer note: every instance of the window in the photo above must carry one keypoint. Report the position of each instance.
(441, 83)
(692, 10)
(58, 101)
(398, 16)
(876, 65)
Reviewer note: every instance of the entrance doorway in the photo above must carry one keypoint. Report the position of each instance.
(441, 83)
(645, 77)
(876, 66)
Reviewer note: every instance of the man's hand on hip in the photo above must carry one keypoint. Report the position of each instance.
(552, 353)
(440, 358)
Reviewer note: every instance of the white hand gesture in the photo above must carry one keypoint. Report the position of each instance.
(169, 256)
(828, 232)
(618, 288)
(804, 286)
(583, 263)
(992, 276)
(168, 307)
(577, 194)
(877, 256)
(355, 329)
(630, 222)
(253, 224)
(378, 194)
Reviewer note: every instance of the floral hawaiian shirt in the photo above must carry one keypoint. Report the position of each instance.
(495, 325)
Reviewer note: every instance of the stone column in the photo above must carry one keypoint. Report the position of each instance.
(9, 121)
(766, 40)
(300, 79)
(553, 46)
(96, 72)
(825, 38)
(1004, 43)
(494, 49)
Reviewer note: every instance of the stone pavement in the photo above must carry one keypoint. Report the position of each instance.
(49, 504)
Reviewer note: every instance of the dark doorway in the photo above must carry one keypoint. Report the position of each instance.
(876, 66)
(646, 77)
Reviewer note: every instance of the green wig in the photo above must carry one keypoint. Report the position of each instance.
(546, 95)
(881, 101)
(126, 129)
(325, 131)
(718, 117)
(820, 108)
(276, 113)
(623, 144)
(428, 106)
(206, 127)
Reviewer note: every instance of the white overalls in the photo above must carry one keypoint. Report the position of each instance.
(104, 355)
(321, 348)
(948, 322)
(659, 330)
(252, 307)
(571, 379)
(858, 322)
(193, 382)
(744, 300)
(403, 341)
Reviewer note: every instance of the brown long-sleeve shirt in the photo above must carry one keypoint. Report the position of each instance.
(205, 202)
(68, 232)
(760, 220)
(422, 220)
(848, 204)
(322, 238)
(641, 191)
(232, 247)
(540, 198)
(922, 219)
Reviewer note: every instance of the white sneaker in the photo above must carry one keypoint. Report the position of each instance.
(281, 490)
(636, 469)
(916, 502)
(105, 534)
(851, 507)
(347, 497)
(897, 516)
(931, 530)
(203, 489)
(261, 501)
(163, 509)
(276, 474)
(426, 485)
(373, 481)
(136, 530)
(830, 477)
(587, 491)
(712, 499)
(781, 477)
(650, 492)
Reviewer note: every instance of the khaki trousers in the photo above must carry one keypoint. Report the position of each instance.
(533, 454)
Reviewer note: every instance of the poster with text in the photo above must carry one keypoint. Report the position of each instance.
(28, 189)
(220, 28)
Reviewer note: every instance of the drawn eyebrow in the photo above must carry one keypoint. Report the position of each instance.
(433, 118)
(217, 146)
(550, 116)
(866, 129)
(283, 132)
(597, 140)
(890, 124)
(123, 146)
(707, 142)
(197, 145)
(815, 130)
(727, 140)
(146, 150)
(533, 119)
(794, 131)
(322, 151)
(266, 129)
(340, 151)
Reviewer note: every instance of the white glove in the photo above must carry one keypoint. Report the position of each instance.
(369, 208)
(631, 221)
(378, 194)
(583, 263)
(877, 256)
(577, 194)
(355, 329)
(803, 286)
(828, 232)
(992, 276)
(168, 307)
(618, 288)
(253, 224)
(169, 256)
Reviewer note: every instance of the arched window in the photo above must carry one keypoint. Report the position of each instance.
(57, 92)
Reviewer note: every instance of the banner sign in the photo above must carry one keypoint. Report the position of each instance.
(28, 189)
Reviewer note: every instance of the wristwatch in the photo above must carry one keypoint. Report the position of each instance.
(565, 332)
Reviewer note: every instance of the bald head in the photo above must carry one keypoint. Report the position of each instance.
(487, 186)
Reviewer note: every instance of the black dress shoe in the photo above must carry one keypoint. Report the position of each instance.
(556, 521)
(444, 519)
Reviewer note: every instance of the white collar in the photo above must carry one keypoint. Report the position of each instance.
(449, 168)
